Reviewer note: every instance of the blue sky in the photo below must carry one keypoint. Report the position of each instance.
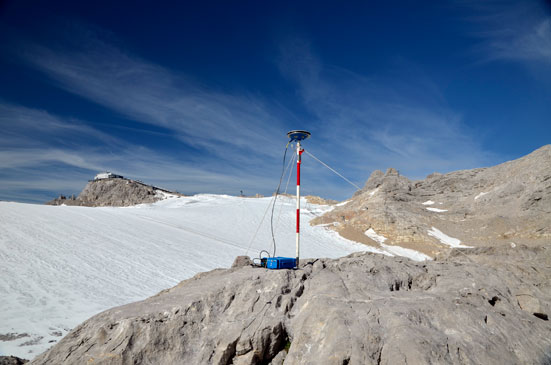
(198, 96)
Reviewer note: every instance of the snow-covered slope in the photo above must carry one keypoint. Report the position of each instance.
(60, 265)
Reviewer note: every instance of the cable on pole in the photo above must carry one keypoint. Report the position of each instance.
(276, 194)
(286, 262)
(258, 228)
(271, 204)
(291, 161)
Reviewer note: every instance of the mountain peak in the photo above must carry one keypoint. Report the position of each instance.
(113, 190)
(510, 201)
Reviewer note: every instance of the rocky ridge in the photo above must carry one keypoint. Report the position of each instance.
(502, 205)
(472, 306)
(115, 192)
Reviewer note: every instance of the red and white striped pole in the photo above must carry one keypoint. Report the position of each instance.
(299, 153)
(298, 136)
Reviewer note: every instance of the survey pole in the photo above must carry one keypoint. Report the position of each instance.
(297, 136)
(299, 153)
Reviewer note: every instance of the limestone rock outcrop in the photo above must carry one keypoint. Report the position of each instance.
(500, 205)
(473, 306)
(114, 192)
(12, 360)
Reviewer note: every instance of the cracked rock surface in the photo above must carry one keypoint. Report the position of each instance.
(473, 306)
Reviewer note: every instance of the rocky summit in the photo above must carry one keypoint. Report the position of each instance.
(502, 205)
(114, 192)
(474, 306)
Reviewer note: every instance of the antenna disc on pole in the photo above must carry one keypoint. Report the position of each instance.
(298, 135)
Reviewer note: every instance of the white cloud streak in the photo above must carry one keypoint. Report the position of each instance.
(381, 122)
(358, 124)
(47, 153)
(153, 95)
(512, 30)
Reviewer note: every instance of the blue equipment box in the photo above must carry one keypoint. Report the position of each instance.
(277, 262)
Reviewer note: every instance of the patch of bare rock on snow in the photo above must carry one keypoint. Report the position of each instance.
(482, 305)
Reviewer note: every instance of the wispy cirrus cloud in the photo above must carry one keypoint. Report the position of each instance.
(243, 135)
(42, 154)
(154, 95)
(380, 122)
(512, 30)
(359, 123)
(229, 142)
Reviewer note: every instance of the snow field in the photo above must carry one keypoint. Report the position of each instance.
(437, 210)
(61, 264)
(406, 252)
(445, 239)
(396, 250)
(480, 195)
(343, 203)
(374, 236)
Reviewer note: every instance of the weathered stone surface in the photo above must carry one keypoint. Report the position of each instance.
(462, 308)
(529, 303)
(114, 192)
(498, 205)
(241, 261)
(12, 360)
(12, 336)
(318, 200)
